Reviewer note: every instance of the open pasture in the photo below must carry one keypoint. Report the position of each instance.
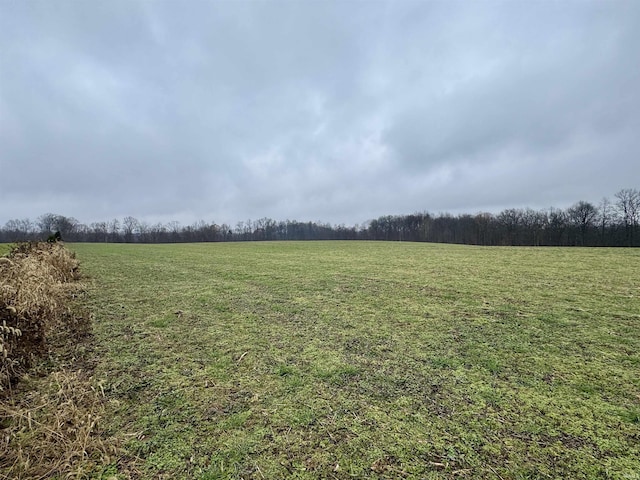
(369, 359)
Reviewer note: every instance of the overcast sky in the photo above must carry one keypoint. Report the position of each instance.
(314, 110)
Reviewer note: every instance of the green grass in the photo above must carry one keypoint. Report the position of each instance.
(366, 359)
(4, 248)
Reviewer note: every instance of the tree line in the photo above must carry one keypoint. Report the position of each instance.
(610, 223)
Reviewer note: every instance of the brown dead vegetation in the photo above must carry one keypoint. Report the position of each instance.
(37, 281)
(50, 406)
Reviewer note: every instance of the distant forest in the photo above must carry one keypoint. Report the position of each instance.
(610, 223)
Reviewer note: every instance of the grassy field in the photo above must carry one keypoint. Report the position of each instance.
(366, 359)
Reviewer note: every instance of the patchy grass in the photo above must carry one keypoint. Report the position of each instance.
(365, 359)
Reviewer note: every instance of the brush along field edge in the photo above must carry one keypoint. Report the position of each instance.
(37, 282)
(49, 420)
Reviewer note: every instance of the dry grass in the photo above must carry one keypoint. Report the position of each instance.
(54, 429)
(50, 420)
(36, 282)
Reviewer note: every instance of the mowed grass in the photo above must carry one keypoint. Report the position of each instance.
(369, 359)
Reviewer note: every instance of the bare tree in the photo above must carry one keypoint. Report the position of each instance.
(27, 226)
(629, 209)
(534, 223)
(51, 222)
(510, 219)
(158, 233)
(557, 226)
(174, 228)
(227, 233)
(606, 217)
(114, 229)
(67, 226)
(144, 230)
(19, 229)
(582, 215)
(129, 224)
(100, 231)
(46, 223)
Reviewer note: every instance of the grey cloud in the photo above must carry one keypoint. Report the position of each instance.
(334, 111)
(535, 98)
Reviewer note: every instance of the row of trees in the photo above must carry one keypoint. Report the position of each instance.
(611, 223)
(132, 230)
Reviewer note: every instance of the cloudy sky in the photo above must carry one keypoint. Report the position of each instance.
(333, 111)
